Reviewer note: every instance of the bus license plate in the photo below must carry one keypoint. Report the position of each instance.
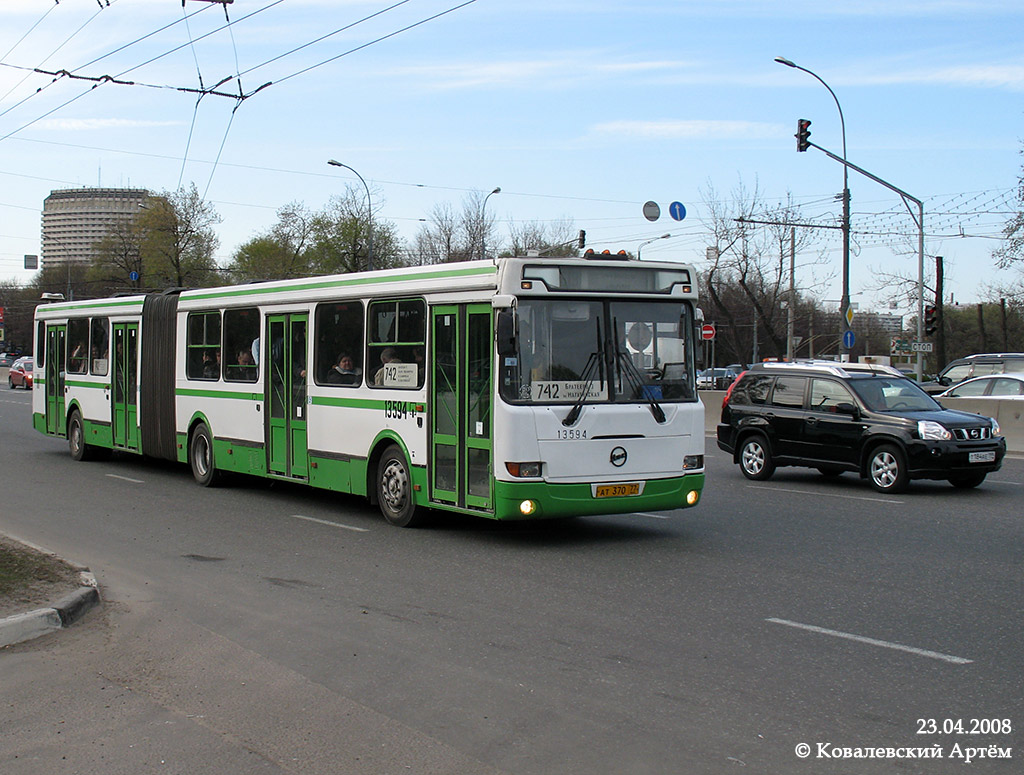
(981, 457)
(617, 490)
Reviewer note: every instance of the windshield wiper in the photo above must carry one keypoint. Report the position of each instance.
(637, 383)
(593, 365)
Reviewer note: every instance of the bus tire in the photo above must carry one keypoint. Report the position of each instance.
(394, 489)
(200, 457)
(76, 438)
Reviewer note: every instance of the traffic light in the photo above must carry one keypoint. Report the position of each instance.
(931, 320)
(803, 134)
(583, 239)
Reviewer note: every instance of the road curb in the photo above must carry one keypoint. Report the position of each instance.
(42, 621)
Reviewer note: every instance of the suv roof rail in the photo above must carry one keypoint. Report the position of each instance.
(836, 368)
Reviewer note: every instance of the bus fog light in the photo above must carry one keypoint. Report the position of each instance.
(523, 469)
(693, 461)
(692, 497)
(527, 508)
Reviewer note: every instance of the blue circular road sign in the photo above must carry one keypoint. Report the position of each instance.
(677, 210)
(848, 339)
(133, 276)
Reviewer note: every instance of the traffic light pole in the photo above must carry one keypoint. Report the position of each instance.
(920, 242)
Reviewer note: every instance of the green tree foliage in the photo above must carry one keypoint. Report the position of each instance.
(340, 234)
(281, 252)
(178, 240)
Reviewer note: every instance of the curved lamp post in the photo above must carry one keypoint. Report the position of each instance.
(369, 211)
(483, 221)
(648, 242)
(845, 301)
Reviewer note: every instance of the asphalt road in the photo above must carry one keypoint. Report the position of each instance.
(259, 628)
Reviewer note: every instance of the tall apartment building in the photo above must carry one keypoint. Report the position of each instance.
(75, 219)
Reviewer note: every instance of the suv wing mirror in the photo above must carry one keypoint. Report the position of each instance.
(845, 407)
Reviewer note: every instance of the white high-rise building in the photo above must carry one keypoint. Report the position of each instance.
(75, 219)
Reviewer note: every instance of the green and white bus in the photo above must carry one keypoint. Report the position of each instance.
(517, 388)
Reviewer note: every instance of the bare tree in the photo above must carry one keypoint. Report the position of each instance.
(451, 236)
(747, 277)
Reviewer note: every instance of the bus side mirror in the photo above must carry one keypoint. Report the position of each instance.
(506, 332)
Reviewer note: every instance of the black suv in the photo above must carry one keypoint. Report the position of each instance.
(974, 366)
(877, 424)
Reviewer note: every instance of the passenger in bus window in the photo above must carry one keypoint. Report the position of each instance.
(211, 364)
(344, 372)
(243, 368)
(388, 355)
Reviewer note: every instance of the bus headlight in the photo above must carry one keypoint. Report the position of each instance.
(523, 469)
(692, 497)
(526, 508)
(693, 461)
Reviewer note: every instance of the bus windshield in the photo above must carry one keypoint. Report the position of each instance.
(601, 352)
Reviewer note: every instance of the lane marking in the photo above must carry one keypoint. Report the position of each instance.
(873, 641)
(331, 524)
(652, 516)
(817, 493)
(125, 478)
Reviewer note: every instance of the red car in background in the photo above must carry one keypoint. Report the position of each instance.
(20, 374)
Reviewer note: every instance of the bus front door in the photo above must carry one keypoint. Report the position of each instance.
(286, 404)
(123, 405)
(56, 343)
(461, 395)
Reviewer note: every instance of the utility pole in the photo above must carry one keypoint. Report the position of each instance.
(792, 294)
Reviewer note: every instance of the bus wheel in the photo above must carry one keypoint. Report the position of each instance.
(394, 489)
(200, 457)
(76, 437)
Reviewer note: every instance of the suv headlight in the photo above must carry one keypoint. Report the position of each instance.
(995, 427)
(927, 429)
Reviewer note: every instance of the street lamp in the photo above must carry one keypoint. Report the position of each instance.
(369, 211)
(845, 302)
(648, 242)
(483, 221)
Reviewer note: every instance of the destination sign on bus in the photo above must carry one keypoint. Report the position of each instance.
(568, 391)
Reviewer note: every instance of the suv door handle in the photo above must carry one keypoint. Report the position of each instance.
(812, 420)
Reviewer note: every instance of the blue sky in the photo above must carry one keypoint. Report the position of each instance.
(579, 110)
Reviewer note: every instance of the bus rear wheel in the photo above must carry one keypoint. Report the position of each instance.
(200, 457)
(394, 489)
(76, 438)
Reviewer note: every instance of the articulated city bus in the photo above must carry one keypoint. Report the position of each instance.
(511, 389)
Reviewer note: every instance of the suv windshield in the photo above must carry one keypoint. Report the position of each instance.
(590, 351)
(893, 394)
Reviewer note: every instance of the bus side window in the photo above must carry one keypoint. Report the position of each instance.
(337, 357)
(241, 329)
(100, 346)
(396, 340)
(202, 353)
(78, 346)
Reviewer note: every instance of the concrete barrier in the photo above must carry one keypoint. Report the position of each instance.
(1008, 413)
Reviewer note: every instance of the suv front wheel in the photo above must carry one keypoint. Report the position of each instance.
(887, 469)
(756, 459)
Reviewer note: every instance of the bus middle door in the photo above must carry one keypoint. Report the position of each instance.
(123, 405)
(286, 404)
(461, 396)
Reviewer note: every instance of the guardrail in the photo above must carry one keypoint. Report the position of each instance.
(1008, 413)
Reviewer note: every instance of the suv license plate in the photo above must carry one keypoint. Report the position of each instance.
(981, 457)
(617, 490)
